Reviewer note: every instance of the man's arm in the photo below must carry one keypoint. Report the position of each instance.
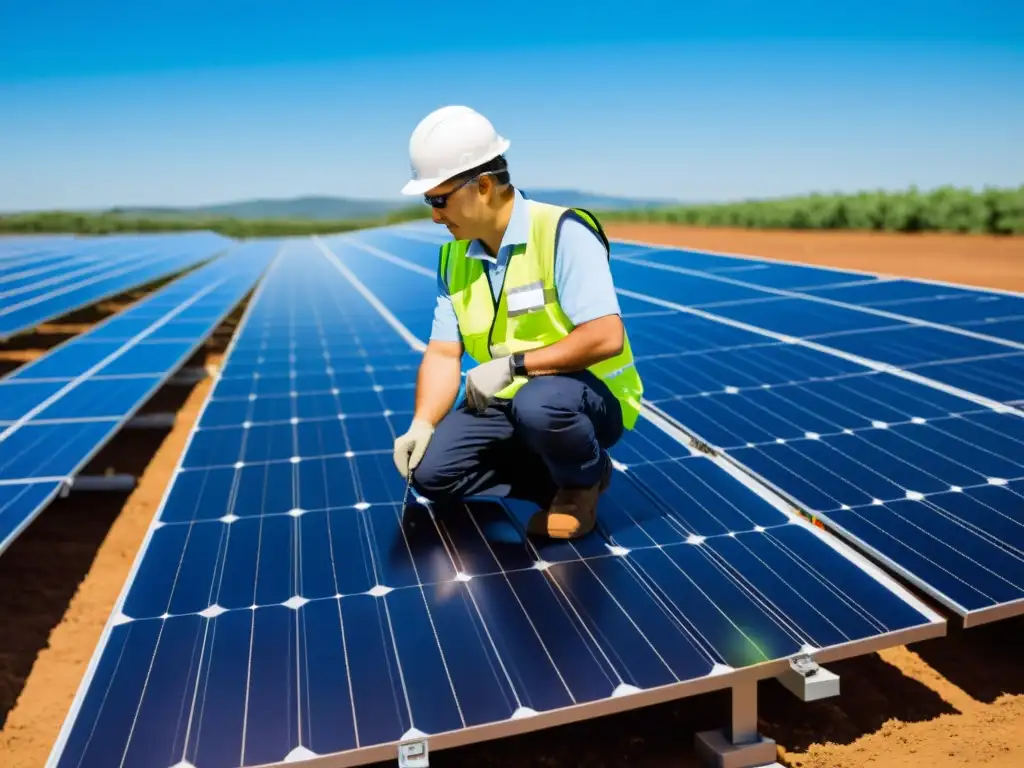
(586, 293)
(438, 381)
(440, 373)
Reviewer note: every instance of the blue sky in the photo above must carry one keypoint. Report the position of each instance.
(105, 103)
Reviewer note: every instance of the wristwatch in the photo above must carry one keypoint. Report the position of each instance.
(518, 364)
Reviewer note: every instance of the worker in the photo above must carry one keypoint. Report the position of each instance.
(525, 288)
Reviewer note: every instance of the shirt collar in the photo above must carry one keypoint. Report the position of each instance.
(516, 233)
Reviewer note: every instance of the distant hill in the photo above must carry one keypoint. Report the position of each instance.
(311, 207)
(340, 208)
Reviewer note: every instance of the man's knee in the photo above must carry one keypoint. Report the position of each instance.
(433, 478)
(547, 402)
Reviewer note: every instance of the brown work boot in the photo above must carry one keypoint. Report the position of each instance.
(572, 512)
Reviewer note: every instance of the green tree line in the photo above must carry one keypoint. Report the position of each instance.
(945, 209)
(110, 223)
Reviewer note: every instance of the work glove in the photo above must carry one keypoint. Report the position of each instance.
(410, 447)
(484, 381)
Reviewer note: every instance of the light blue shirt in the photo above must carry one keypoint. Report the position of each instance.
(583, 277)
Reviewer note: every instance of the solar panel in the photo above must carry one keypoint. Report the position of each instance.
(17, 245)
(284, 607)
(59, 410)
(904, 438)
(105, 270)
(922, 472)
(16, 273)
(942, 332)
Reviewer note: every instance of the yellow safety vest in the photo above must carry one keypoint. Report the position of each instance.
(527, 314)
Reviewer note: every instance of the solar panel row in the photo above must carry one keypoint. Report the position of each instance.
(287, 604)
(848, 413)
(43, 276)
(96, 270)
(17, 245)
(59, 410)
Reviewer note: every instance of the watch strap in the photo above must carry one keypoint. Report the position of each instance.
(519, 364)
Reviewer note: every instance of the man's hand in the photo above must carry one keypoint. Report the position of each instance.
(410, 447)
(484, 381)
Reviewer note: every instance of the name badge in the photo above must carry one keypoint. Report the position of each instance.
(526, 298)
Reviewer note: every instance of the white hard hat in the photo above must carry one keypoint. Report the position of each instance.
(447, 142)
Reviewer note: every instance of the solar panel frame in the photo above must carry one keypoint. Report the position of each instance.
(98, 430)
(932, 625)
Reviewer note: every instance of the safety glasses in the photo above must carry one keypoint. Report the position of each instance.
(440, 201)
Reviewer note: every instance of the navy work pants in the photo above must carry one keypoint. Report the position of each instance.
(554, 433)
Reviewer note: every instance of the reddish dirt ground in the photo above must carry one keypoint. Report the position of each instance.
(987, 261)
(953, 701)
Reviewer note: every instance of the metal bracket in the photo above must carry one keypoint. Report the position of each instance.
(100, 483)
(741, 746)
(807, 681)
(151, 421)
(413, 754)
(188, 375)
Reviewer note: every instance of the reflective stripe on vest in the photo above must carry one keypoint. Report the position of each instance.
(527, 314)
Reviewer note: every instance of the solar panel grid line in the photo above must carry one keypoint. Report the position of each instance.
(105, 264)
(777, 500)
(20, 271)
(126, 316)
(829, 302)
(967, 359)
(392, 259)
(996, 608)
(904, 457)
(75, 453)
(117, 281)
(404, 332)
(837, 432)
(53, 759)
(27, 258)
(435, 709)
(15, 497)
(88, 266)
(858, 359)
(869, 388)
(803, 265)
(149, 330)
(848, 284)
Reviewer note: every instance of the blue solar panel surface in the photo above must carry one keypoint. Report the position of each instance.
(13, 246)
(906, 437)
(42, 286)
(58, 411)
(283, 607)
